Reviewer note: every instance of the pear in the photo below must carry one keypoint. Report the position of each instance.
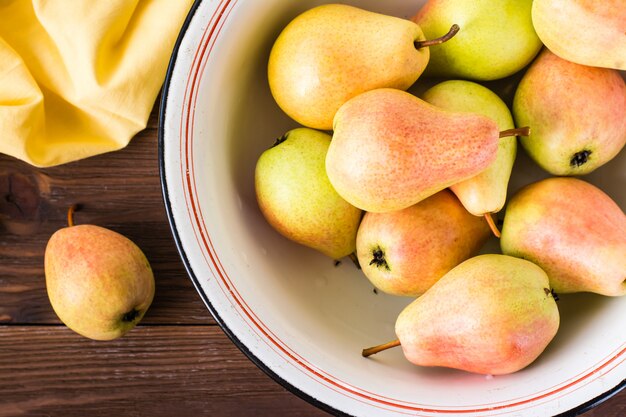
(496, 38)
(405, 252)
(585, 32)
(99, 283)
(391, 150)
(486, 192)
(492, 314)
(577, 114)
(333, 52)
(297, 199)
(571, 229)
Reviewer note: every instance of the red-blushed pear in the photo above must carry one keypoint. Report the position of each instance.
(577, 114)
(587, 32)
(571, 229)
(405, 252)
(492, 314)
(99, 283)
(391, 150)
(296, 198)
(331, 53)
(486, 192)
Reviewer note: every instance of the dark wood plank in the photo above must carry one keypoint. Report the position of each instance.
(121, 191)
(152, 371)
(613, 407)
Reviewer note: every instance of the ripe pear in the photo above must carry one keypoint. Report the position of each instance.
(405, 252)
(297, 199)
(595, 30)
(496, 38)
(492, 314)
(333, 52)
(571, 229)
(486, 192)
(99, 283)
(577, 114)
(391, 150)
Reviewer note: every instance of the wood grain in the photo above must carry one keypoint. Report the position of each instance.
(152, 371)
(120, 190)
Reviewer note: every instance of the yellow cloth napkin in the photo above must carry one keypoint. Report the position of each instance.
(79, 77)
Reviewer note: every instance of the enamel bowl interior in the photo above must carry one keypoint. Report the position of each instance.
(298, 316)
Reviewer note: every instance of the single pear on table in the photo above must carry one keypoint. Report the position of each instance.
(486, 192)
(587, 32)
(391, 150)
(492, 314)
(297, 199)
(99, 283)
(333, 52)
(496, 38)
(577, 114)
(571, 229)
(405, 252)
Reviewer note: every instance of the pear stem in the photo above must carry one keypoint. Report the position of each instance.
(375, 349)
(453, 31)
(520, 131)
(492, 225)
(70, 214)
(354, 259)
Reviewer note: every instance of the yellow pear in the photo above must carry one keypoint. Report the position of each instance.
(496, 37)
(486, 192)
(297, 199)
(405, 252)
(391, 150)
(99, 283)
(331, 53)
(577, 114)
(595, 30)
(571, 229)
(492, 314)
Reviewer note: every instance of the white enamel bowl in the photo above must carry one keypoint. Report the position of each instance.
(300, 318)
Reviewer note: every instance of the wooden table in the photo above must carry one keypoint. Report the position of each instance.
(176, 362)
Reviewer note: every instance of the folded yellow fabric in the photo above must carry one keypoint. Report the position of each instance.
(79, 77)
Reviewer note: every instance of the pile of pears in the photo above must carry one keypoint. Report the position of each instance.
(408, 185)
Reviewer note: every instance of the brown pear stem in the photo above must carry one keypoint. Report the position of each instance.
(453, 31)
(520, 131)
(492, 225)
(375, 349)
(70, 214)
(355, 260)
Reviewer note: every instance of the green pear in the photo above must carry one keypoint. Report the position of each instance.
(577, 114)
(99, 283)
(595, 30)
(496, 38)
(486, 192)
(297, 199)
(333, 52)
(405, 252)
(492, 314)
(391, 150)
(571, 229)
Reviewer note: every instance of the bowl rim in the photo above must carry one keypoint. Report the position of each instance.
(580, 409)
(177, 239)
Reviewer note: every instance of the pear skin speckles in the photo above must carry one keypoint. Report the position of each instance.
(391, 150)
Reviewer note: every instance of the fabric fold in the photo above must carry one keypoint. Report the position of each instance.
(79, 78)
